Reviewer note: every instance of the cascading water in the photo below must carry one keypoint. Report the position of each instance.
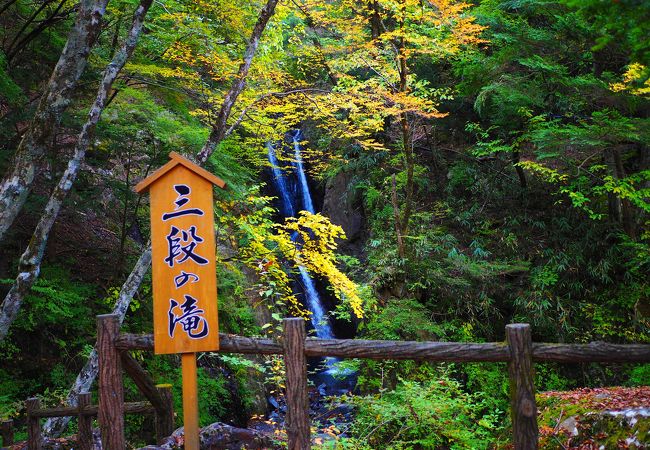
(280, 182)
(289, 208)
(307, 204)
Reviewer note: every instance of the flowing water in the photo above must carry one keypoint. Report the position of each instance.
(294, 196)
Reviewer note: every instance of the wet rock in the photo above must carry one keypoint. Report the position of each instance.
(62, 443)
(220, 436)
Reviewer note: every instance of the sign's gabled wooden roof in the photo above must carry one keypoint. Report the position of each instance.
(177, 159)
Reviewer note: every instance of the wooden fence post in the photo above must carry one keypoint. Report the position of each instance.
(34, 438)
(7, 430)
(295, 361)
(522, 388)
(165, 419)
(111, 388)
(84, 422)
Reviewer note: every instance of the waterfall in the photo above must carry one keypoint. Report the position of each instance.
(289, 207)
(280, 182)
(307, 204)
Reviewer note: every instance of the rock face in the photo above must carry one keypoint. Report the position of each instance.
(344, 208)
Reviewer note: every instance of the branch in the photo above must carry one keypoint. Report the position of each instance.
(244, 112)
(219, 128)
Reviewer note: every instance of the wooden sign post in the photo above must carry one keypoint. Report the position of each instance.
(184, 272)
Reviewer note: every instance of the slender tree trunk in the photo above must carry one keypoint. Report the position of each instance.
(56, 425)
(401, 251)
(627, 214)
(219, 128)
(88, 374)
(18, 181)
(30, 262)
(29, 21)
(6, 6)
(520, 172)
(409, 159)
(620, 209)
(42, 26)
(309, 20)
(375, 20)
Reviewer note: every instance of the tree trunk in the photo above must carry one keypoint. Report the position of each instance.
(398, 228)
(627, 214)
(620, 209)
(520, 172)
(29, 21)
(219, 128)
(409, 160)
(6, 6)
(18, 181)
(55, 426)
(375, 21)
(17, 45)
(86, 377)
(30, 262)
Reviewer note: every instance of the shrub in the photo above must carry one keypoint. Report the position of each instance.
(429, 415)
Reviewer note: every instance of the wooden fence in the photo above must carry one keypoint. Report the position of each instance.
(111, 408)
(518, 351)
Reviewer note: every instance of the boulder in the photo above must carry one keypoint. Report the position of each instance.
(220, 436)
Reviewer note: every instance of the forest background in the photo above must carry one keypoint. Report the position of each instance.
(489, 162)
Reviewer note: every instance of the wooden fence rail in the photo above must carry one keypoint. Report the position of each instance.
(111, 408)
(84, 412)
(423, 351)
(518, 351)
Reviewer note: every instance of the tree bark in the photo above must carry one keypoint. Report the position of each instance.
(295, 362)
(520, 172)
(7, 432)
(620, 209)
(55, 426)
(30, 262)
(405, 127)
(111, 388)
(522, 387)
(220, 126)
(17, 183)
(398, 223)
(417, 350)
(34, 438)
(6, 6)
(84, 423)
(627, 214)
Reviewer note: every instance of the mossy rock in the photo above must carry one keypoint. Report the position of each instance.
(595, 418)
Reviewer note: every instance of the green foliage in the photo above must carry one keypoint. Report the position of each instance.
(427, 415)
(55, 299)
(221, 386)
(402, 319)
(10, 390)
(639, 375)
(524, 168)
(10, 91)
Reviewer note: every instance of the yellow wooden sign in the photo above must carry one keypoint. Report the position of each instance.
(183, 257)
